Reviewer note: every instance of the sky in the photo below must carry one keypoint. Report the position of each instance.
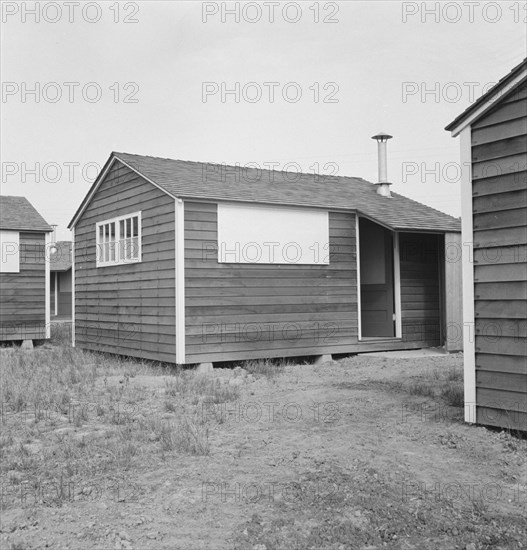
(300, 86)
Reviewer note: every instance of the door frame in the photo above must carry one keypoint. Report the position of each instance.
(396, 280)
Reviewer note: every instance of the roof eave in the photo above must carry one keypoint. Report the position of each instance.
(100, 178)
(488, 100)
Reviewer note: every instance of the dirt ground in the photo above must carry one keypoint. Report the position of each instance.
(342, 456)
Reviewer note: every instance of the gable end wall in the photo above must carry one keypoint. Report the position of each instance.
(127, 309)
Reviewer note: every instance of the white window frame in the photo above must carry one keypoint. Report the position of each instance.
(117, 247)
(10, 262)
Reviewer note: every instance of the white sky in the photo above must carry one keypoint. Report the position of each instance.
(371, 54)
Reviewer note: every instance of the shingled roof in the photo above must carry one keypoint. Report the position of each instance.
(205, 181)
(493, 94)
(17, 214)
(60, 260)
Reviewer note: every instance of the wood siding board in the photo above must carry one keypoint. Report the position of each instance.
(500, 219)
(504, 130)
(502, 201)
(500, 418)
(514, 364)
(502, 113)
(501, 399)
(512, 164)
(508, 236)
(500, 148)
(500, 273)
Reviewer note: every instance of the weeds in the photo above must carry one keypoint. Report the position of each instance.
(422, 388)
(66, 411)
(453, 394)
(267, 368)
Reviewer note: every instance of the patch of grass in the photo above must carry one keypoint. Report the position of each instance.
(265, 368)
(186, 434)
(200, 388)
(64, 411)
(453, 393)
(425, 389)
(61, 333)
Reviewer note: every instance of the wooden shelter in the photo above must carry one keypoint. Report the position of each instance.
(24, 271)
(189, 262)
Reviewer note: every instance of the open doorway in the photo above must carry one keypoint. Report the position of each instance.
(377, 295)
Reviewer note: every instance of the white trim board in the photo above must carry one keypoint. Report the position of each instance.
(397, 285)
(179, 274)
(357, 247)
(56, 278)
(47, 267)
(469, 344)
(73, 287)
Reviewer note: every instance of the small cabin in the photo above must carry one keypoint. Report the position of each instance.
(24, 271)
(189, 262)
(493, 140)
(60, 281)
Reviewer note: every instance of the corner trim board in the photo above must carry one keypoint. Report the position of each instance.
(179, 238)
(469, 344)
(397, 285)
(357, 248)
(56, 305)
(47, 267)
(73, 287)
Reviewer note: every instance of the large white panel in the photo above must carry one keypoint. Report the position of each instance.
(249, 234)
(10, 252)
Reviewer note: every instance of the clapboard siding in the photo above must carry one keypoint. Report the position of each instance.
(127, 309)
(420, 297)
(23, 294)
(499, 167)
(236, 311)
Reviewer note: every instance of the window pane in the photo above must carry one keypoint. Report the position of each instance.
(135, 248)
(136, 226)
(112, 231)
(128, 227)
(121, 230)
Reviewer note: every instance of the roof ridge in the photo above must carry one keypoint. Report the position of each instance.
(245, 167)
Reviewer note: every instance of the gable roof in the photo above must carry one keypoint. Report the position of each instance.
(60, 260)
(505, 85)
(17, 214)
(218, 182)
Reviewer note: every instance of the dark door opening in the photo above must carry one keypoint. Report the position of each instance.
(376, 280)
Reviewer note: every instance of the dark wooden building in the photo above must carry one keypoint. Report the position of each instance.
(188, 262)
(493, 135)
(60, 292)
(24, 271)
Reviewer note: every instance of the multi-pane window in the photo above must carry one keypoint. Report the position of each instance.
(119, 240)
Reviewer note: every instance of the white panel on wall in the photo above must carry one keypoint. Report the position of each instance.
(10, 252)
(250, 234)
